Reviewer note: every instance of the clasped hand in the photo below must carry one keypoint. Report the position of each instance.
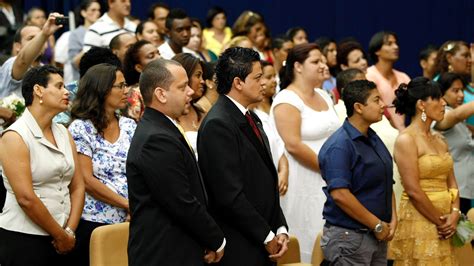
(64, 243)
(448, 228)
(213, 256)
(278, 246)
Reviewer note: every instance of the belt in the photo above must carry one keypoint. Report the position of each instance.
(357, 230)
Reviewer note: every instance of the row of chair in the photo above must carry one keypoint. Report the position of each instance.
(109, 247)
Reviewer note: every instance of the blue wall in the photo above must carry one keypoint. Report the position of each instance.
(417, 23)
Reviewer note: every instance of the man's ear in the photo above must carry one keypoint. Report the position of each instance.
(161, 95)
(138, 68)
(423, 64)
(237, 83)
(358, 108)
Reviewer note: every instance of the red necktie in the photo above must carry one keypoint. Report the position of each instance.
(254, 126)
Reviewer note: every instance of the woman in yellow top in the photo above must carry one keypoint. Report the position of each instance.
(217, 34)
(429, 206)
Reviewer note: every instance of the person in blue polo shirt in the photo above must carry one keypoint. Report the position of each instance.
(360, 208)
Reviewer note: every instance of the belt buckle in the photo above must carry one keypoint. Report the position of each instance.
(362, 230)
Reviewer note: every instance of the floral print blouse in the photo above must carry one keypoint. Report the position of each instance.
(108, 164)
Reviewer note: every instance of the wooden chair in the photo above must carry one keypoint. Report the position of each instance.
(293, 256)
(317, 257)
(109, 245)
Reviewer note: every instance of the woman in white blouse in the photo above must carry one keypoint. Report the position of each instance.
(45, 192)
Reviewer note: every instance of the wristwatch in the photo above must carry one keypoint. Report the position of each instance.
(378, 227)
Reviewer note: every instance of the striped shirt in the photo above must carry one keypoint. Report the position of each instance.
(103, 30)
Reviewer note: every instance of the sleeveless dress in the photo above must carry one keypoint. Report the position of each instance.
(416, 240)
(303, 203)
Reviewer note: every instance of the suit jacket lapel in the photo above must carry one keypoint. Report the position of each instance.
(191, 152)
(262, 133)
(248, 131)
(164, 122)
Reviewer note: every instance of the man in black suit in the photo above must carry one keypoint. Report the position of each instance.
(169, 221)
(237, 167)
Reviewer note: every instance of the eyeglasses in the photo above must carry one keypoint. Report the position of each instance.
(121, 86)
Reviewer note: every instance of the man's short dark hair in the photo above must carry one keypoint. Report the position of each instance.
(234, 62)
(115, 43)
(151, 10)
(95, 56)
(155, 74)
(36, 76)
(346, 76)
(175, 13)
(356, 91)
(17, 36)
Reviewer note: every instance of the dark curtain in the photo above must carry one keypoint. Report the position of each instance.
(417, 23)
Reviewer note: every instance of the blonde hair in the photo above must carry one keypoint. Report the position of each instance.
(245, 21)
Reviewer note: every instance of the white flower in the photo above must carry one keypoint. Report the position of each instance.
(14, 103)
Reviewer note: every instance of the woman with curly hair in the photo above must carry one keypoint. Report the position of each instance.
(429, 206)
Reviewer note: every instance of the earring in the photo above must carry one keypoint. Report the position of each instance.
(450, 68)
(423, 116)
(41, 100)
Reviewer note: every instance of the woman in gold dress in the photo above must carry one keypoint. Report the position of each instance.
(429, 206)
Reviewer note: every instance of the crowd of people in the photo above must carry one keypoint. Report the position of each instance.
(220, 142)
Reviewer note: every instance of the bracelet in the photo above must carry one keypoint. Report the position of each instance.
(454, 209)
(70, 231)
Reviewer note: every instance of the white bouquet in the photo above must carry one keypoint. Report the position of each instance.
(464, 232)
(14, 103)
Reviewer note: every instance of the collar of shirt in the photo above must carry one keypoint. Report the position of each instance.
(240, 106)
(173, 121)
(105, 18)
(354, 133)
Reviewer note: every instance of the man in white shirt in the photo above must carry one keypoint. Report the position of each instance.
(179, 30)
(113, 22)
(30, 43)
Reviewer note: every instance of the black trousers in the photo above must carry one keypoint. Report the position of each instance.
(19, 249)
(80, 255)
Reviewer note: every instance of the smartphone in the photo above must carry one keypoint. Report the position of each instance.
(61, 20)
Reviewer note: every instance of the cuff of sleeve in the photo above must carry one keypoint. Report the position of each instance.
(338, 183)
(269, 237)
(222, 246)
(282, 230)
